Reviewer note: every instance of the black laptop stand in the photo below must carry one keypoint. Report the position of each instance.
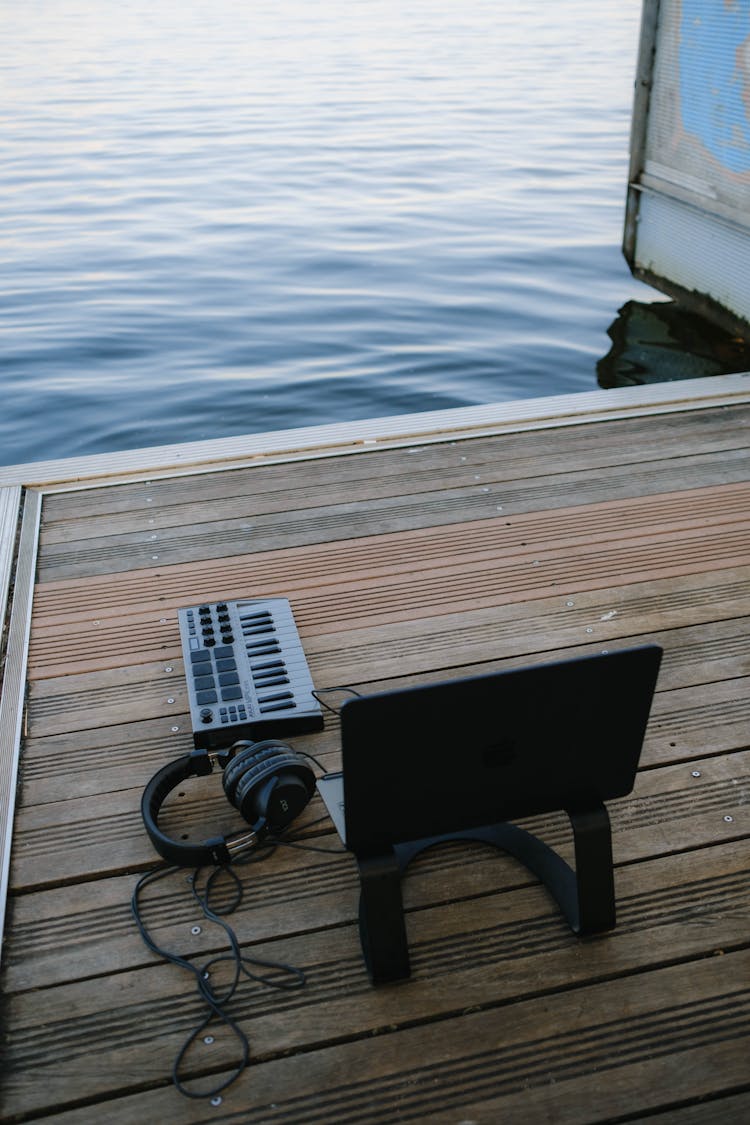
(460, 760)
(585, 896)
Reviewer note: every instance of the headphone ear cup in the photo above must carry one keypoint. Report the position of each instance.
(274, 800)
(270, 785)
(251, 756)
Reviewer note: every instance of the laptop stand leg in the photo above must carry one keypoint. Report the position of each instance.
(595, 882)
(585, 896)
(382, 929)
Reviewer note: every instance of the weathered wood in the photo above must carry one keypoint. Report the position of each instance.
(85, 929)
(401, 569)
(731, 1110)
(668, 810)
(203, 537)
(474, 477)
(429, 467)
(81, 722)
(321, 564)
(493, 1058)
(693, 652)
(410, 576)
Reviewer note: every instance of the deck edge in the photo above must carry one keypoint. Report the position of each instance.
(10, 504)
(14, 684)
(350, 437)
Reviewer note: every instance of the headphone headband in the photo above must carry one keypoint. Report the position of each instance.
(265, 760)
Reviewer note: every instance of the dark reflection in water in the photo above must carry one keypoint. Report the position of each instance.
(661, 341)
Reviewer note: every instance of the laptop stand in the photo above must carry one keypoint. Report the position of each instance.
(585, 896)
(464, 759)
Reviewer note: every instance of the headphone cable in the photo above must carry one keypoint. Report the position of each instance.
(241, 967)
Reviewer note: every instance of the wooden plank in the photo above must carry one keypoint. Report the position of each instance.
(85, 930)
(731, 1110)
(423, 468)
(692, 1016)
(667, 611)
(202, 537)
(86, 740)
(543, 626)
(401, 578)
(62, 841)
(492, 633)
(325, 563)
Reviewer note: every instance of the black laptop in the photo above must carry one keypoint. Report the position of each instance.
(439, 758)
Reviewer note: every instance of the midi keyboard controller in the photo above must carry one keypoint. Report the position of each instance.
(246, 672)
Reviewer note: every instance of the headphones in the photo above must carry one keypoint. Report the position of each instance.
(268, 782)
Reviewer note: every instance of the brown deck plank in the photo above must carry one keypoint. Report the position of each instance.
(446, 464)
(685, 1015)
(83, 720)
(201, 535)
(209, 540)
(409, 576)
(733, 1109)
(400, 568)
(300, 891)
(507, 948)
(55, 841)
(320, 564)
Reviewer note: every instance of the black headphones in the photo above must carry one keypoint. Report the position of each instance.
(268, 782)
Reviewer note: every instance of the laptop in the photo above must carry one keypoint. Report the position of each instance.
(439, 758)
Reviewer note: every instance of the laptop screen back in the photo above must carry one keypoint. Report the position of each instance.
(438, 758)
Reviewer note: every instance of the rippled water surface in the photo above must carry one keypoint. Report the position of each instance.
(234, 216)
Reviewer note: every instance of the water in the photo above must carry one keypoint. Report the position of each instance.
(244, 215)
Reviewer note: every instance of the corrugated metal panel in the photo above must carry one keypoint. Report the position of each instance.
(695, 250)
(688, 225)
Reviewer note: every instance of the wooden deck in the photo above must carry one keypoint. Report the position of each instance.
(402, 564)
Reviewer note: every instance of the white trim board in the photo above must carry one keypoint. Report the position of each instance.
(349, 437)
(10, 504)
(14, 683)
